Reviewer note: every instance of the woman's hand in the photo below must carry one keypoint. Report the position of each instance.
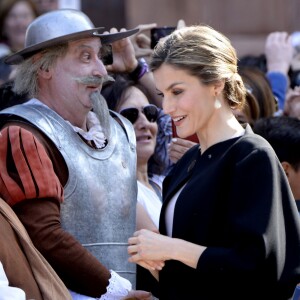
(149, 249)
(178, 147)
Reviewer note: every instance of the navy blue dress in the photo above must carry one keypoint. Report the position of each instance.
(237, 202)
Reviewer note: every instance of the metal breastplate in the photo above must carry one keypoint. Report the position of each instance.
(99, 207)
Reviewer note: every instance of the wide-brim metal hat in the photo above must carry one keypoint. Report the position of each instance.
(58, 27)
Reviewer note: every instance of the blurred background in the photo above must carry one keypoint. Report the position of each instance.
(246, 23)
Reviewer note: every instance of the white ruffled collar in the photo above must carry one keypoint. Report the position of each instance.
(94, 133)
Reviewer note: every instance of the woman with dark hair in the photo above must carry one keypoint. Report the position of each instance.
(258, 85)
(15, 16)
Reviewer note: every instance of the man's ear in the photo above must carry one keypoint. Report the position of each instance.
(286, 167)
(43, 72)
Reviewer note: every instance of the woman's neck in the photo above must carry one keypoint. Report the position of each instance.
(224, 128)
(142, 173)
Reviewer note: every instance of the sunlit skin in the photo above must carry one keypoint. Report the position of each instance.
(292, 107)
(16, 23)
(191, 105)
(241, 116)
(61, 92)
(145, 131)
(293, 178)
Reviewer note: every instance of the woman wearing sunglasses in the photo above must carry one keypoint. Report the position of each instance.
(229, 226)
(131, 101)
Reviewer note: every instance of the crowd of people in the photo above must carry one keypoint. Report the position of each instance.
(135, 173)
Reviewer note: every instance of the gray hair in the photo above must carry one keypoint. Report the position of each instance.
(26, 80)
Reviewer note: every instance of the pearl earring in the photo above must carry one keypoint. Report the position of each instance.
(218, 103)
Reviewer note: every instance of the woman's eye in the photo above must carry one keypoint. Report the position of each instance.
(160, 94)
(177, 92)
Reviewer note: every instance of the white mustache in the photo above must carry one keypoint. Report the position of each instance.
(93, 80)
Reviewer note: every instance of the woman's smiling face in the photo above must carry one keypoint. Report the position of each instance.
(145, 130)
(16, 23)
(189, 102)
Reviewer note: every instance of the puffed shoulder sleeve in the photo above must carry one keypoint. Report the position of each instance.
(26, 171)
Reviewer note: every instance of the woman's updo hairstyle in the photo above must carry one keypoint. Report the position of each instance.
(205, 53)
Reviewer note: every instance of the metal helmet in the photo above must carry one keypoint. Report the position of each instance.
(58, 27)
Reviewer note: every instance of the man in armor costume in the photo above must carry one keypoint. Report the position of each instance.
(68, 164)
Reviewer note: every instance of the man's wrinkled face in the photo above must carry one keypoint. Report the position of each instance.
(77, 75)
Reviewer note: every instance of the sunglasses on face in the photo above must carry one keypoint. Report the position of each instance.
(132, 114)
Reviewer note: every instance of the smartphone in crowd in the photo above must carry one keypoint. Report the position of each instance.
(159, 32)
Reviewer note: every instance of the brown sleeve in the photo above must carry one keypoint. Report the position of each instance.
(77, 267)
(29, 183)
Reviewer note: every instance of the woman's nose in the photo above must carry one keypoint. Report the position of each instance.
(168, 105)
(142, 120)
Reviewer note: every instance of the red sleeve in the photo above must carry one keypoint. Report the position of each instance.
(26, 171)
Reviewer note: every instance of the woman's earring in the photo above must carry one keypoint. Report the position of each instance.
(217, 103)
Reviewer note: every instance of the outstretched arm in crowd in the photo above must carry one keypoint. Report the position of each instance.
(279, 53)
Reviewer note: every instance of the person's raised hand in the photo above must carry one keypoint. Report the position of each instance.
(141, 41)
(124, 59)
(279, 52)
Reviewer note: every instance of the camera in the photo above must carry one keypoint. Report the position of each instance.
(160, 32)
(106, 54)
